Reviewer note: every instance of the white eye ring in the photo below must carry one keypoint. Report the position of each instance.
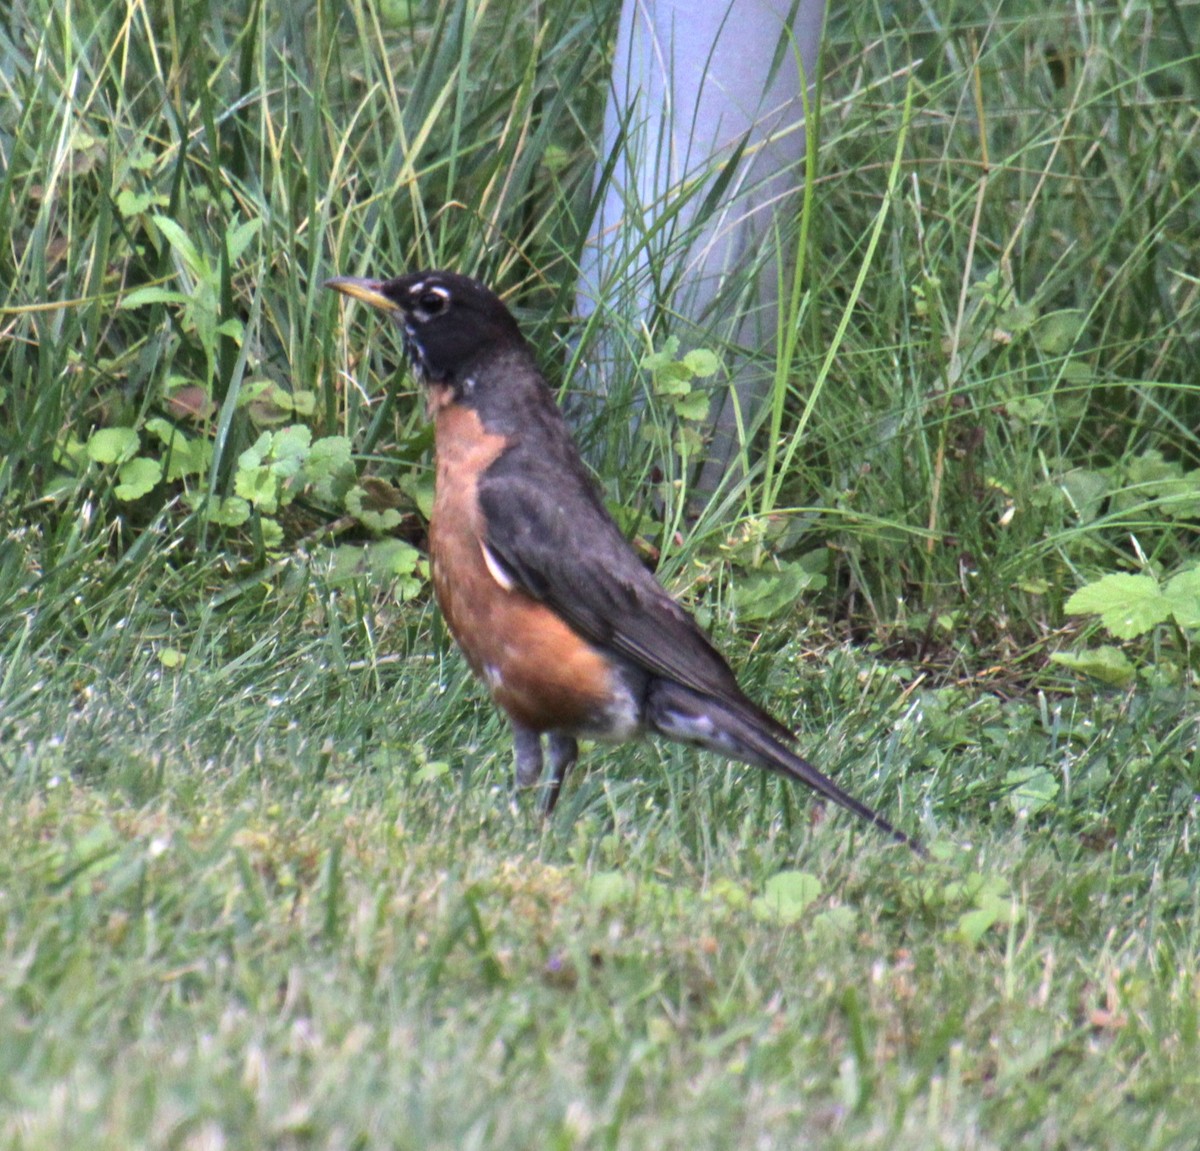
(429, 300)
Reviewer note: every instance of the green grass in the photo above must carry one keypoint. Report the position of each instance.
(265, 884)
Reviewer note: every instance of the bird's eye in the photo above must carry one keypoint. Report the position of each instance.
(433, 301)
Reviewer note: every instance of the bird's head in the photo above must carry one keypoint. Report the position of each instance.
(449, 321)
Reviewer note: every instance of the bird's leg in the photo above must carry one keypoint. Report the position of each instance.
(564, 751)
(527, 744)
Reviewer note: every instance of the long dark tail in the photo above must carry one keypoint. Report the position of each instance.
(678, 712)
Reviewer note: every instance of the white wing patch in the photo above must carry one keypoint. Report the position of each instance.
(495, 570)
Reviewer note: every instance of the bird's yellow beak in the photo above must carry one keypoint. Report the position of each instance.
(369, 291)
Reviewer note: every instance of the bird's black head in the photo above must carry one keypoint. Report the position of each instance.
(449, 320)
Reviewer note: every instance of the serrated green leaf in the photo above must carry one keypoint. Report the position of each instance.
(382, 562)
(1183, 594)
(702, 363)
(1152, 467)
(688, 441)
(256, 452)
(272, 532)
(672, 380)
(654, 361)
(130, 203)
(259, 486)
(113, 445)
(230, 512)
(329, 456)
(1128, 605)
(378, 521)
(291, 443)
(693, 407)
(391, 558)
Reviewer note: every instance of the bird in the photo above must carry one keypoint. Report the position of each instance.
(555, 612)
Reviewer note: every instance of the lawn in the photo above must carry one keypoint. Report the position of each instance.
(266, 884)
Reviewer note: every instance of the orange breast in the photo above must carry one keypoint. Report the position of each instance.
(540, 671)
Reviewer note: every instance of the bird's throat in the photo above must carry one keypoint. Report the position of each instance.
(437, 397)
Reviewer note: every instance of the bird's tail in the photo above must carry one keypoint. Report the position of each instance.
(678, 712)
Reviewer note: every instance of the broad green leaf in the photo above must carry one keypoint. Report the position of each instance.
(1128, 605)
(702, 363)
(688, 442)
(672, 380)
(238, 239)
(183, 247)
(384, 562)
(1033, 790)
(130, 203)
(259, 485)
(182, 456)
(786, 896)
(329, 456)
(230, 512)
(1056, 332)
(1086, 490)
(609, 889)
(378, 519)
(728, 892)
(140, 297)
(113, 445)
(272, 532)
(1108, 664)
(289, 446)
(693, 407)
(256, 452)
(419, 489)
(1180, 498)
(1152, 467)
(304, 403)
(656, 361)
(766, 594)
(171, 657)
(138, 476)
(1183, 594)
(974, 925)
(834, 923)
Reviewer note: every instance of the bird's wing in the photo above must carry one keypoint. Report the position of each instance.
(551, 535)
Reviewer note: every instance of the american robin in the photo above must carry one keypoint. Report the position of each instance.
(552, 608)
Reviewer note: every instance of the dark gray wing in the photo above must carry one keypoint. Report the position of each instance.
(551, 534)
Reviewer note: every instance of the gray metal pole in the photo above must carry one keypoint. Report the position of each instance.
(698, 86)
